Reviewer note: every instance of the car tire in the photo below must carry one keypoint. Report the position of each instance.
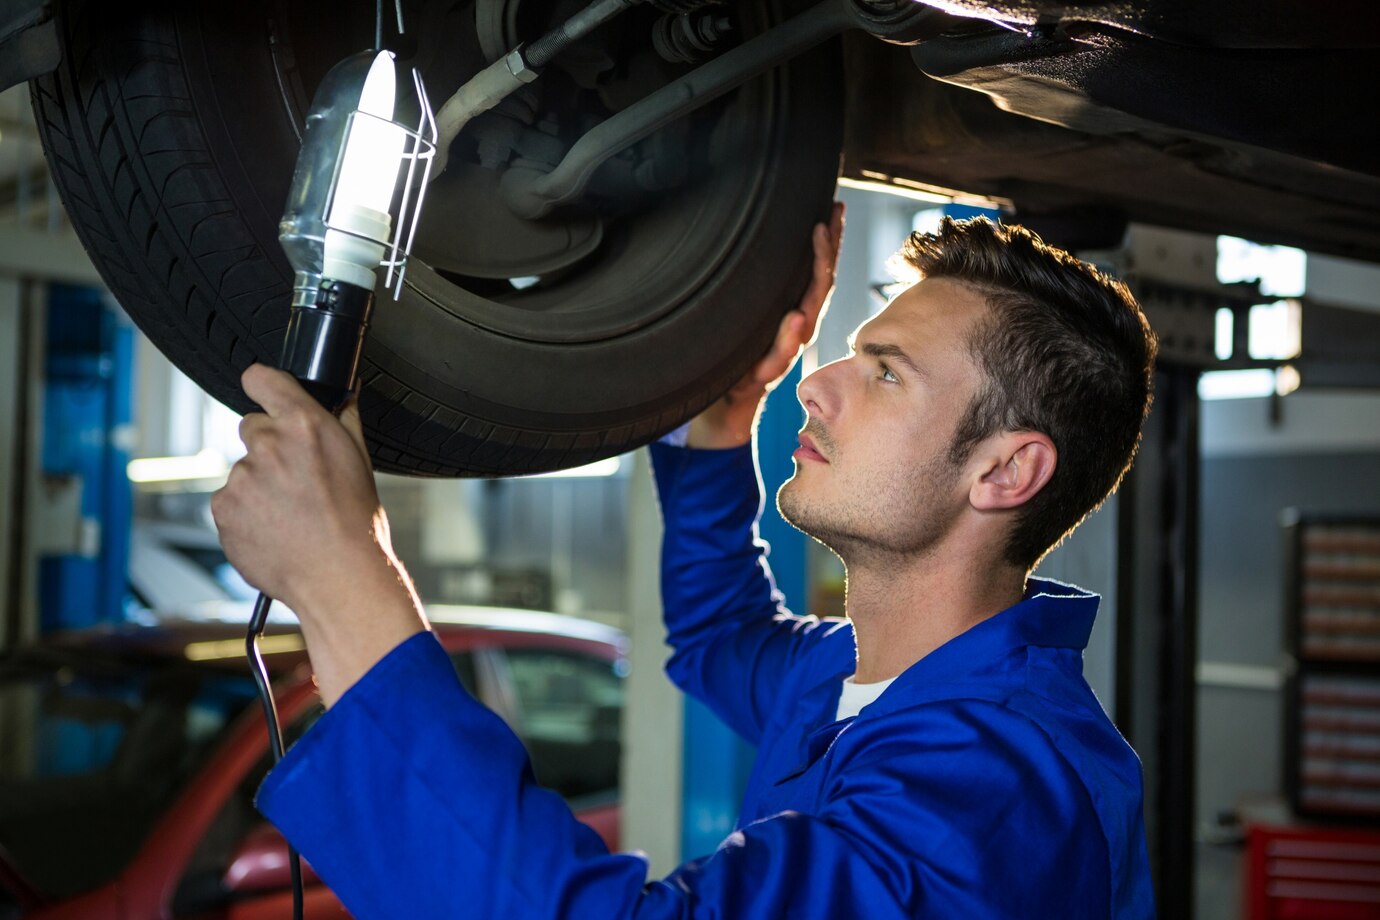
(171, 136)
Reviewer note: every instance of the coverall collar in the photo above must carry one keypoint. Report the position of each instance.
(1050, 615)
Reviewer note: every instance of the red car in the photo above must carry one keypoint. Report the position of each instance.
(131, 755)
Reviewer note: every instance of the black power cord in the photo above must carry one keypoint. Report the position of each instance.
(275, 733)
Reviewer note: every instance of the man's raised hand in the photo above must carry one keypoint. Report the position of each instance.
(729, 421)
(300, 519)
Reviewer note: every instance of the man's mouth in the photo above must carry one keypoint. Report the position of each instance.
(808, 451)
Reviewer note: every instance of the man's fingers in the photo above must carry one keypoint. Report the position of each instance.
(836, 226)
(789, 338)
(825, 242)
(278, 392)
(822, 278)
(349, 417)
(798, 326)
(253, 426)
(794, 330)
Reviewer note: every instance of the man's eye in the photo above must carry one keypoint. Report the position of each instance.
(888, 376)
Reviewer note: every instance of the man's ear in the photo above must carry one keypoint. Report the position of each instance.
(1019, 465)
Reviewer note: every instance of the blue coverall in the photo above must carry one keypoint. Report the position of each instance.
(986, 781)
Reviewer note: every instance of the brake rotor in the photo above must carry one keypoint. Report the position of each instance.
(467, 229)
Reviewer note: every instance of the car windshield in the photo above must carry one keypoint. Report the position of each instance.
(91, 752)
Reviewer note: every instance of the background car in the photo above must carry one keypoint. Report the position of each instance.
(132, 755)
(178, 566)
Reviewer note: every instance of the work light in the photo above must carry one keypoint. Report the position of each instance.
(348, 214)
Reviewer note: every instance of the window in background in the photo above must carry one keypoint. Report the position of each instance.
(1281, 270)
(1274, 330)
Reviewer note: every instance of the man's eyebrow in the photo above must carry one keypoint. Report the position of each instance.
(887, 350)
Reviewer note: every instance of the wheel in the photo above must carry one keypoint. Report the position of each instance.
(517, 346)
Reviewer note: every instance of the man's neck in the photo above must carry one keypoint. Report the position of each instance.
(904, 608)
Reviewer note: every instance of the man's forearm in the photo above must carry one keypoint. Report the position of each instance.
(412, 800)
(358, 618)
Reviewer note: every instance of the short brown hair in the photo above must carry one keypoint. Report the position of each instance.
(1066, 351)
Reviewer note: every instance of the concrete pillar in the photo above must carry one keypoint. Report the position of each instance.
(652, 716)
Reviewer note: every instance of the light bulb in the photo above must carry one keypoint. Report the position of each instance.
(375, 145)
(365, 182)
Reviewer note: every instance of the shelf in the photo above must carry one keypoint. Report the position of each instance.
(1332, 701)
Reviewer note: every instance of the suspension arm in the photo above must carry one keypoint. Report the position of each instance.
(532, 193)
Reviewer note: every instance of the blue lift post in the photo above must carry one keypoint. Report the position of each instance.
(88, 371)
(716, 761)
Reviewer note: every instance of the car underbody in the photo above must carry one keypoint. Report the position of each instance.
(712, 132)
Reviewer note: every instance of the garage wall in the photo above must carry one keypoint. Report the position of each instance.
(1323, 457)
(558, 544)
(1088, 559)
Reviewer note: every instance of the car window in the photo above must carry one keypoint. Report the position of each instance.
(200, 888)
(569, 712)
(92, 752)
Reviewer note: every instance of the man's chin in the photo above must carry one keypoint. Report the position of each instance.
(794, 507)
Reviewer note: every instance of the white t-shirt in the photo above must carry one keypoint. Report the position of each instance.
(856, 696)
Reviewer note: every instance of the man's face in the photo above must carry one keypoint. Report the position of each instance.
(873, 474)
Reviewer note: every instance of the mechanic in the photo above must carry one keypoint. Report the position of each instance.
(935, 754)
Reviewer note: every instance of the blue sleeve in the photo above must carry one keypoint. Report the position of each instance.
(732, 637)
(412, 800)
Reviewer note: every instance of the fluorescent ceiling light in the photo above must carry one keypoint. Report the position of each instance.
(590, 470)
(206, 464)
(883, 185)
(920, 191)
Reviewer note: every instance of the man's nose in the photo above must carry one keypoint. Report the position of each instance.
(815, 393)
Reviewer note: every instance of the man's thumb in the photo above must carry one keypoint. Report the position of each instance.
(349, 417)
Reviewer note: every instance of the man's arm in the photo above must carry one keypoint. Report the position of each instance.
(300, 518)
(412, 800)
(732, 636)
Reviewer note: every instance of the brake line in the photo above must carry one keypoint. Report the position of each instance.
(532, 194)
(513, 71)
